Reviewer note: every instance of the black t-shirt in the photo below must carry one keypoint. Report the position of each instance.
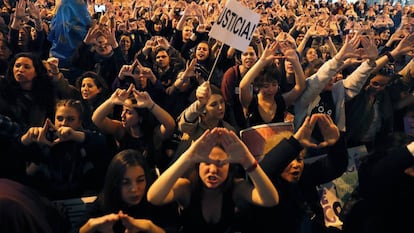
(326, 105)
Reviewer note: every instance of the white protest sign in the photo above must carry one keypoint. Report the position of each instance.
(235, 25)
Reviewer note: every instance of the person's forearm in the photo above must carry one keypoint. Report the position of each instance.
(153, 228)
(251, 75)
(162, 186)
(300, 83)
(163, 117)
(102, 112)
(192, 112)
(78, 136)
(87, 228)
(264, 189)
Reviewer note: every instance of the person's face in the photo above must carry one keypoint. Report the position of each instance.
(311, 54)
(125, 43)
(299, 39)
(385, 35)
(33, 33)
(24, 72)
(157, 27)
(332, 81)
(68, 117)
(162, 59)
(249, 57)
(129, 116)
(102, 46)
(141, 83)
(89, 90)
(5, 51)
(269, 88)
(378, 83)
(214, 173)
(215, 106)
(133, 185)
(293, 171)
(289, 67)
(23, 38)
(202, 52)
(187, 32)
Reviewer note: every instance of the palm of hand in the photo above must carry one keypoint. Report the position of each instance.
(330, 134)
(119, 97)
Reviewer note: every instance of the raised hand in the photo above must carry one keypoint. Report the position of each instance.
(20, 11)
(327, 127)
(43, 135)
(329, 130)
(203, 93)
(405, 46)
(268, 54)
(134, 225)
(143, 99)
(129, 70)
(201, 148)
(370, 50)
(304, 133)
(103, 224)
(349, 48)
(289, 53)
(120, 95)
(66, 133)
(90, 37)
(33, 10)
(236, 150)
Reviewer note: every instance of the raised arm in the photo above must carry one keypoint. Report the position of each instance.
(261, 191)
(100, 115)
(403, 47)
(188, 119)
(169, 186)
(300, 85)
(267, 57)
(167, 122)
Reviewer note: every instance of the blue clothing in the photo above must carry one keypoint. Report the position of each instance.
(68, 28)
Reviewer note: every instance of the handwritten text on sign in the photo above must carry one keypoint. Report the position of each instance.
(235, 25)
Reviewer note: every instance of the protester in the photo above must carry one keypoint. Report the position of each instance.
(210, 196)
(269, 105)
(296, 180)
(122, 205)
(64, 160)
(144, 125)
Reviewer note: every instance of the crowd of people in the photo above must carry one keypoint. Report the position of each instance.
(133, 102)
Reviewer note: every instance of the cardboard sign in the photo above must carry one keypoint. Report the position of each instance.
(235, 25)
(255, 137)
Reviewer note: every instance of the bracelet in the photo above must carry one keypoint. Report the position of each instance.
(152, 107)
(372, 63)
(252, 167)
(390, 57)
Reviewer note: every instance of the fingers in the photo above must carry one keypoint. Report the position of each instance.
(135, 64)
(130, 88)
